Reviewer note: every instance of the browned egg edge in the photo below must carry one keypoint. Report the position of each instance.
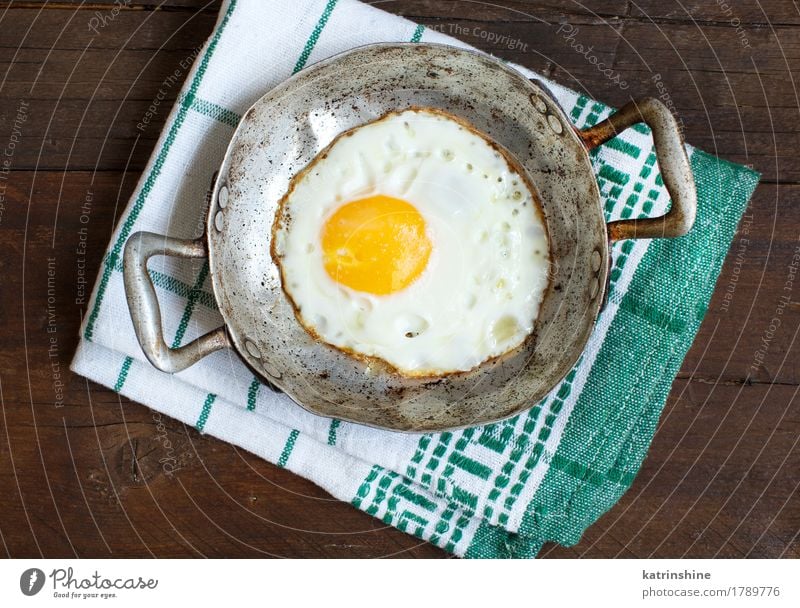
(283, 219)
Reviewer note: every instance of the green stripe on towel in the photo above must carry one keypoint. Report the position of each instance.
(312, 40)
(215, 111)
(287, 448)
(204, 413)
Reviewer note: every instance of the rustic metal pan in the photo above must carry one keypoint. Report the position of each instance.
(287, 127)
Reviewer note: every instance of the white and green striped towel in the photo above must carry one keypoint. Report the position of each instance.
(500, 490)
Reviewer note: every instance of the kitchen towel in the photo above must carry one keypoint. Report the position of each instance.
(499, 490)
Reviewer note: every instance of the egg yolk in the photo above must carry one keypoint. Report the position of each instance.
(376, 244)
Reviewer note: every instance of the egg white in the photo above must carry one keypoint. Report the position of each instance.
(480, 292)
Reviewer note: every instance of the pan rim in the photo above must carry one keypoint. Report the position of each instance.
(535, 88)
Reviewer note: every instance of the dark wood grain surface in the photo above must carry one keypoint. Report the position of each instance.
(722, 475)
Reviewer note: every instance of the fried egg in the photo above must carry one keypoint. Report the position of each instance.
(415, 240)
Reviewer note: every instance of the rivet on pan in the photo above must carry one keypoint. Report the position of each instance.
(218, 221)
(538, 103)
(222, 197)
(271, 371)
(252, 349)
(555, 124)
(594, 287)
(595, 260)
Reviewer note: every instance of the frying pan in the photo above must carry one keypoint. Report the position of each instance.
(285, 129)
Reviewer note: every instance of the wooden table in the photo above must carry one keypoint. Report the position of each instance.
(79, 470)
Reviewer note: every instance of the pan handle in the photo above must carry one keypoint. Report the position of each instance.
(144, 308)
(672, 160)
